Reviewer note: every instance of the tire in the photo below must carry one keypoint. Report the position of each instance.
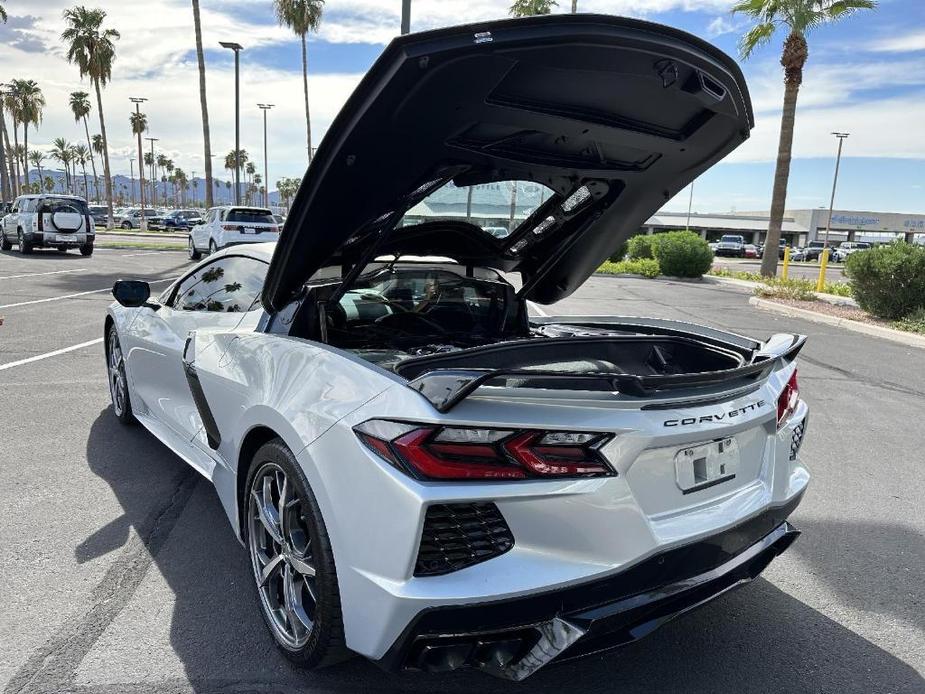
(24, 246)
(212, 247)
(314, 599)
(115, 367)
(126, 225)
(5, 245)
(86, 249)
(191, 250)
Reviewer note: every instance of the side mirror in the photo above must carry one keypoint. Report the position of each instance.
(131, 293)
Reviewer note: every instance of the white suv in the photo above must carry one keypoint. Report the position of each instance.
(230, 225)
(48, 221)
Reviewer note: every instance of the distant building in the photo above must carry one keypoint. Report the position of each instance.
(799, 226)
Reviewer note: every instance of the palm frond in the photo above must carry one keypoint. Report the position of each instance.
(757, 36)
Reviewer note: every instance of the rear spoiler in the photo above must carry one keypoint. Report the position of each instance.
(446, 388)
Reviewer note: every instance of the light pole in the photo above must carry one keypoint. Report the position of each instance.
(841, 139)
(690, 202)
(143, 223)
(405, 16)
(266, 175)
(237, 48)
(131, 168)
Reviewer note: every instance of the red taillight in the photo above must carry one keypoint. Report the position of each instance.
(230, 227)
(787, 401)
(460, 453)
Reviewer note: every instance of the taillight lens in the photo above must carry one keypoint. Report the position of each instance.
(787, 401)
(463, 453)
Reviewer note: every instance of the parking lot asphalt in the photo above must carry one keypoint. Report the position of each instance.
(120, 573)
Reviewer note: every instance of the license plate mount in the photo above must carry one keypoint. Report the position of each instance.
(250, 230)
(706, 465)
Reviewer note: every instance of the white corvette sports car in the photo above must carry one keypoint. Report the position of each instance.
(421, 472)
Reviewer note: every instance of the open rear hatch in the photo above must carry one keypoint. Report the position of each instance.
(614, 115)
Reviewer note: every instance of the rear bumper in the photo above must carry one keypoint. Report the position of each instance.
(52, 240)
(513, 638)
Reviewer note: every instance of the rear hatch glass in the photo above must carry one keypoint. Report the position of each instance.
(250, 217)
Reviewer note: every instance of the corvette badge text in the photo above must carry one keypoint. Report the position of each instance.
(751, 407)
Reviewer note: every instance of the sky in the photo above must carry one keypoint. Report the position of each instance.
(865, 76)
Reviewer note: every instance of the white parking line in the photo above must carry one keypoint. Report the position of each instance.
(71, 296)
(529, 303)
(39, 357)
(37, 274)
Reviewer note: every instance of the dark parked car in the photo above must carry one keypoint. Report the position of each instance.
(813, 250)
(100, 214)
(182, 219)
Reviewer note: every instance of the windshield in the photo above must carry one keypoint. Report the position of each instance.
(407, 306)
(250, 217)
(498, 208)
(732, 239)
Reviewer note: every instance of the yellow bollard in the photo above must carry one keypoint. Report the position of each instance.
(823, 262)
(783, 273)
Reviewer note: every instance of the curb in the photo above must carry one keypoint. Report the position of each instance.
(903, 338)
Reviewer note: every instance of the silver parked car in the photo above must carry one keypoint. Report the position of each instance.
(48, 221)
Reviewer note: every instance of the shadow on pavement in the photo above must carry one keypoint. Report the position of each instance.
(758, 639)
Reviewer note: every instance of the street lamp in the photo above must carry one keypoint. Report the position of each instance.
(143, 224)
(266, 175)
(841, 139)
(237, 48)
(405, 16)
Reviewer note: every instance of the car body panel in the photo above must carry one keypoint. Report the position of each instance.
(626, 110)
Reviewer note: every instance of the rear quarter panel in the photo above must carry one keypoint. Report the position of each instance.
(296, 388)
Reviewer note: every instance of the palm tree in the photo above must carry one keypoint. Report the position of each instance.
(61, 150)
(81, 156)
(19, 156)
(36, 158)
(203, 106)
(228, 188)
(80, 107)
(162, 164)
(230, 164)
(139, 123)
(250, 170)
(799, 17)
(92, 48)
(302, 16)
(168, 165)
(97, 147)
(528, 8)
(9, 103)
(49, 184)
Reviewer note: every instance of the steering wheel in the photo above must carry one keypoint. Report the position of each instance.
(405, 321)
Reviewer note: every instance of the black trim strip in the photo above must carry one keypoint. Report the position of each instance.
(213, 436)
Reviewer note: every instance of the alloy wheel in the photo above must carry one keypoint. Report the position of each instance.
(280, 546)
(117, 385)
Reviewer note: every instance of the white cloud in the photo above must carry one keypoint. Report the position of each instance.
(722, 24)
(914, 41)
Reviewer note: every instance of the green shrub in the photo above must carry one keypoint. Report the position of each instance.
(736, 274)
(888, 281)
(838, 288)
(683, 254)
(647, 267)
(913, 323)
(642, 246)
(794, 289)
